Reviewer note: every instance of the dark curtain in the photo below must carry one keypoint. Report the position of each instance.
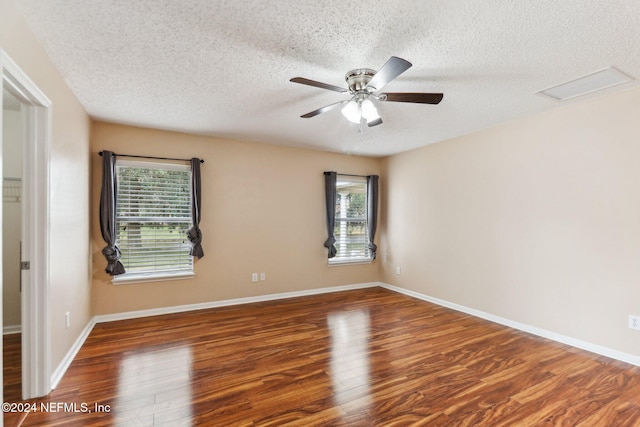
(108, 196)
(194, 234)
(330, 179)
(372, 212)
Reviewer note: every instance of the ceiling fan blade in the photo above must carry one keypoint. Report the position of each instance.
(389, 71)
(321, 85)
(418, 98)
(375, 122)
(324, 109)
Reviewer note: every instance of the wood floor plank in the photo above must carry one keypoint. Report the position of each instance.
(12, 367)
(12, 375)
(368, 357)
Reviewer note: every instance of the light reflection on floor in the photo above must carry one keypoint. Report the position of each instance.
(350, 372)
(155, 388)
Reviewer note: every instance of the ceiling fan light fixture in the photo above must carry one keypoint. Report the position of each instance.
(352, 112)
(369, 111)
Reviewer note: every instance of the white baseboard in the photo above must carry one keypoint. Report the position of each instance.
(224, 303)
(71, 354)
(11, 329)
(584, 345)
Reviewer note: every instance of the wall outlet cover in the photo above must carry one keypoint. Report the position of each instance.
(634, 322)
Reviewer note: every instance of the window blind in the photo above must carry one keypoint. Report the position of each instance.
(352, 240)
(153, 214)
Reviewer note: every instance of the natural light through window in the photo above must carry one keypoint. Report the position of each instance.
(155, 388)
(153, 214)
(350, 371)
(352, 240)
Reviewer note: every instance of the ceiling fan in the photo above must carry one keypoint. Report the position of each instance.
(364, 84)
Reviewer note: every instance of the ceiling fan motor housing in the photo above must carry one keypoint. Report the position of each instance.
(357, 80)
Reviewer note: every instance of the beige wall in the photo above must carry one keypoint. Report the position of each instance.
(263, 211)
(537, 221)
(69, 184)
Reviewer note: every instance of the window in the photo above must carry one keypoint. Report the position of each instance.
(153, 214)
(352, 240)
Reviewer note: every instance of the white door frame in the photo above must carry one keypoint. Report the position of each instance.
(36, 107)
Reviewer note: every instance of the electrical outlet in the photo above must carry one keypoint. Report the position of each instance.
(263, 276)
(634, 322)
(254, 277)
(67, 319)
(398, 270)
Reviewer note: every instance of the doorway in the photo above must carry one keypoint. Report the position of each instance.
(12, 149)
(35, 119)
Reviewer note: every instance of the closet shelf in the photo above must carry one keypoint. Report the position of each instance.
(11, 190)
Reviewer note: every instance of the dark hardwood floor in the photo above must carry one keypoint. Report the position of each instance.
(12, 375)
(368, 357)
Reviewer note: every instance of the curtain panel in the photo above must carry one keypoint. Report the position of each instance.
(372, 212)
(108, 196)
(330, 179)
(194, 234)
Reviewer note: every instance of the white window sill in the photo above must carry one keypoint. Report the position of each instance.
(350, 262)
(126, 279)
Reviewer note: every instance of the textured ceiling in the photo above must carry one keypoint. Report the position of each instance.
(223, 67)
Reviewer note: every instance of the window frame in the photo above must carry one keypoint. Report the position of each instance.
(340, 260)
(151, 275)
